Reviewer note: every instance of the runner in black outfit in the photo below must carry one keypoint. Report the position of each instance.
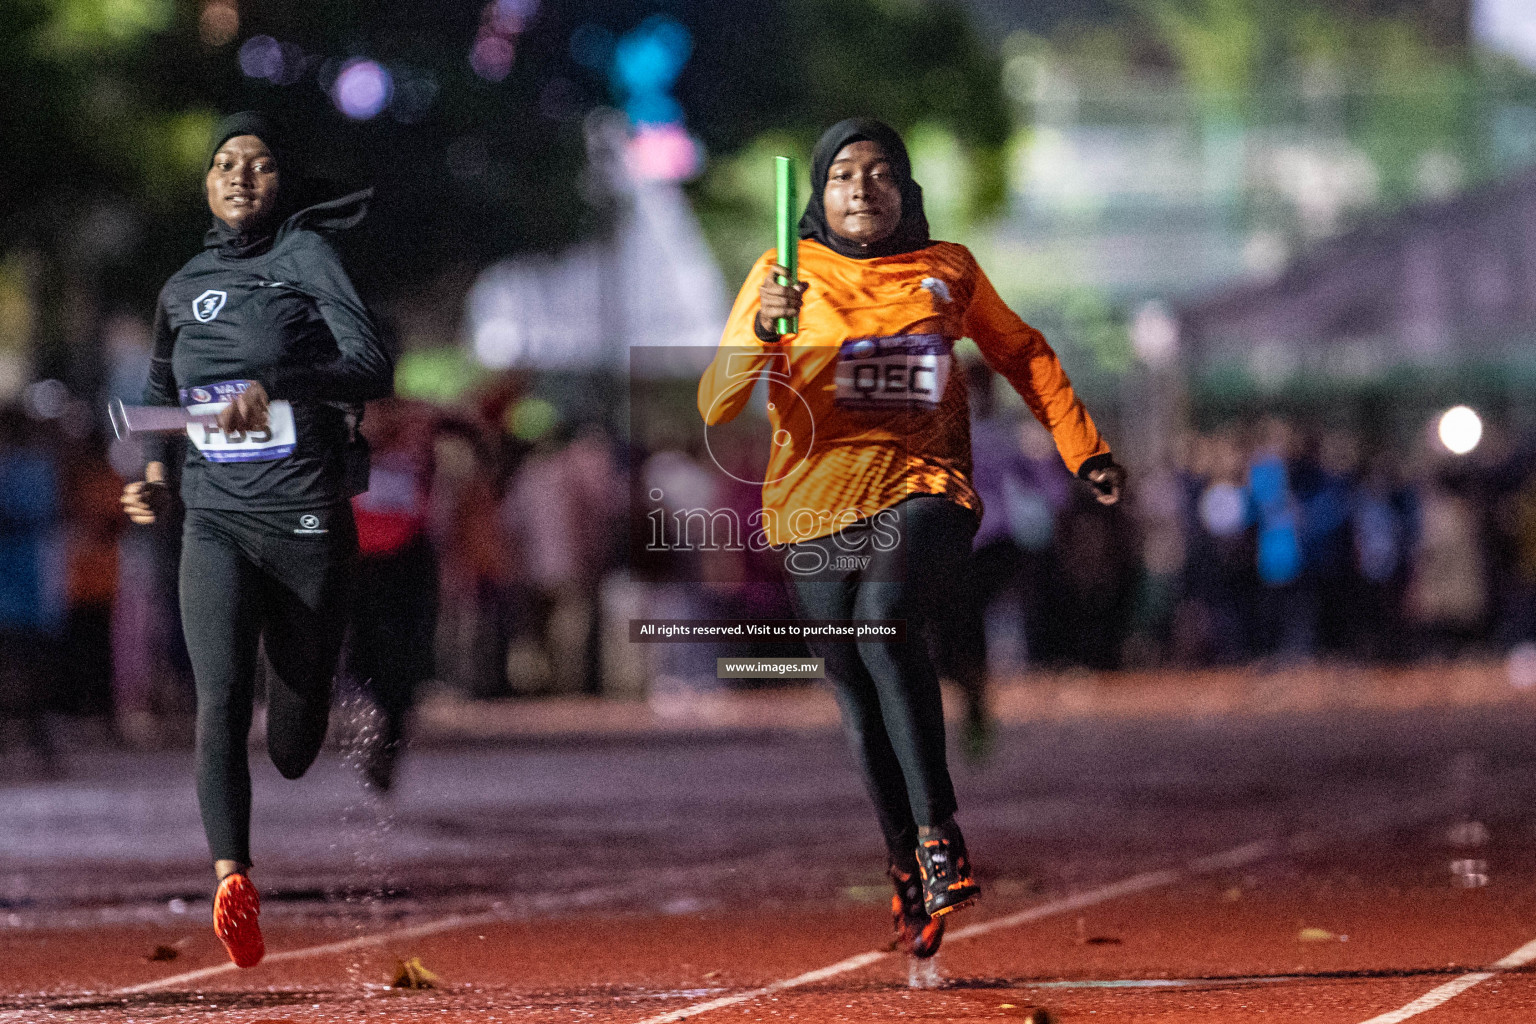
(264, 327)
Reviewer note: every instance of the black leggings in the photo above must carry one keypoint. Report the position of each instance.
(279, 578)
(892, 709)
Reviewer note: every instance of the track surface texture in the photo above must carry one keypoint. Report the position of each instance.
(1281, 867)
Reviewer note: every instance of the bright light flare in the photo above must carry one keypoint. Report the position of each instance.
(362, 89)
(1460, 429)
(664, 152)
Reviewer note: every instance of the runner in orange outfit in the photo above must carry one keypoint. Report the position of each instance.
(868, 490)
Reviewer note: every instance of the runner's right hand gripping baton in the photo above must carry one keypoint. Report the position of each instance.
(152, 419)
(788, 243)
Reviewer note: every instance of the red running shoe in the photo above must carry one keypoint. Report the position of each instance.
(916, 932)
(235, 908)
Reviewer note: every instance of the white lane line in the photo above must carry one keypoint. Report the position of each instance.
(1143, 882)
(566, 901)
(853, 963)
(1238, 856)
(442, 924)
(1124, 887)
(561, 901)
(1128, 886)
(1456, 986)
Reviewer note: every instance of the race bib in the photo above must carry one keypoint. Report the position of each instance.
(908, 371)
(274, 441)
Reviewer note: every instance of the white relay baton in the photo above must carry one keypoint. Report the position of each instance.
(153, 419)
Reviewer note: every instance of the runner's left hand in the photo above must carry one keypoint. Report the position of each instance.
(1107, 483)
(247, 412)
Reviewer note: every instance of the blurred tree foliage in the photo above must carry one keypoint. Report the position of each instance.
(1289, 120)
(101, 167)
(75, 144)
(1397, 91)
(1395, 75)
(129, 90)
(781, 72)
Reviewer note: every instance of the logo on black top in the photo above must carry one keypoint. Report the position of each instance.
(309, 526)
(207, 305)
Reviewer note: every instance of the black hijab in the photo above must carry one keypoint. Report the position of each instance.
(257, 240)
(335, 215)
(911, 232)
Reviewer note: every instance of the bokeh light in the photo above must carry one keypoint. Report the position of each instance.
(496, 44)
(1460, 429)
(1223, 510)
(46, 399)
(278, 62)
(642, 68)
(261, 57)
(653, 108)
(649, 59)
(363, 88)
(219, 23)
(509, 17)
(664, 152)
(532, 418)
(492, 57)
(1155, 334)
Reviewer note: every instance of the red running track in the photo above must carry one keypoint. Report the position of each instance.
(1166, 891)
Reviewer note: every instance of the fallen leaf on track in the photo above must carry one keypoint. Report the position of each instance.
(413, 973)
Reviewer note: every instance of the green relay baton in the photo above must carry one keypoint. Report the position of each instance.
(788, 243)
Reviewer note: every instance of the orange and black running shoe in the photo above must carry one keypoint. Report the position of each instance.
(946, 869)
(235, 909)
(916, 932)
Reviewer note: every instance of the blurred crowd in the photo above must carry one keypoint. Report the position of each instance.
(483, 537)
(1262, 540)
(1270, 539)
(503, 556)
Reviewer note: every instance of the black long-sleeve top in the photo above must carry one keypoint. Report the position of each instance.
(290, 319)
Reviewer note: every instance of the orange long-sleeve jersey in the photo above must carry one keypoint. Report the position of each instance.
(864, 409)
